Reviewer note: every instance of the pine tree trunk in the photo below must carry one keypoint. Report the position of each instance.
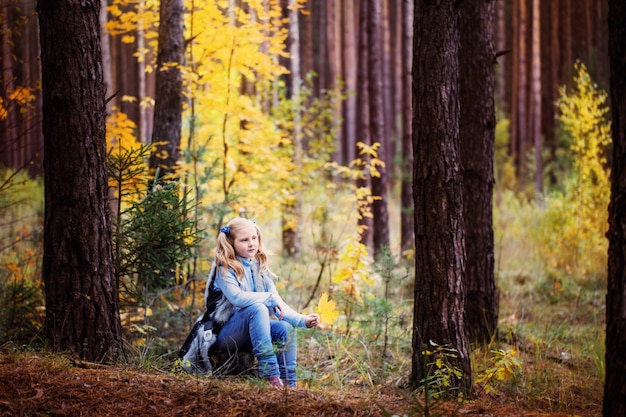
(377, 117)
(292, 211)
(521, 91)
(534, 119)
(363, 132)
(439, 301)
(82, 314)
(614, 387)
(549, 76)
(477, 137)
(407, 238)
(169, 94)
(350, 19)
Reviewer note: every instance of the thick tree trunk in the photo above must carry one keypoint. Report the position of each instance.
(439, 301)
(82, 314)
(477, 137)
(169, 95)
(614, 386)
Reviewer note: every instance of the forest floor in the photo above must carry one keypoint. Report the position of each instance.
(37, 384)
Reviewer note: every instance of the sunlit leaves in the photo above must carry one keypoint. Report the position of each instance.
(125, 156)
(20, 98)
(572, 231)
(353, 274)
(327, 310)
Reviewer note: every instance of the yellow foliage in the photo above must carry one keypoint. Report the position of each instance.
(21, 97)
(576, 221)
(120, 140)
(237, 153)
(352, 271)
(326, 308)
(120, 131)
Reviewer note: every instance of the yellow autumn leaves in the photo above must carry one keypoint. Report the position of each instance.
(327, 310)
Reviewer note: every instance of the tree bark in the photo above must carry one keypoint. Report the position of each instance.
(377, 117)
(519, 121)
(363, 131)
(350, 39)
(292, 210)
(439, 294)
(534, 119)
(169, 89)
(614, 404)
(477, 138)
(82, 314)
(407, 235)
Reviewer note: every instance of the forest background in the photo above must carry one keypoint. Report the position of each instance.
(286, 153)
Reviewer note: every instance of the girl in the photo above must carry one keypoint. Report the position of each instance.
(260, 317)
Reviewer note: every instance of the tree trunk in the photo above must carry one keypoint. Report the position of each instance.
(549, 78)
(292, 210)
(534, 120)
(334, 37)
(106, 55)
(520, 127)
(501, 46)
(396, 73)
(350, 19)
(142, 76)
(82, 314)
(439, 301)
(614, 387)
(565, 42)
(407, 237)
(377, 117)
(477, 138)
(363, 132)
(169, 94)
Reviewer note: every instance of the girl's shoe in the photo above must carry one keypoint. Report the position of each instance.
(275, 381)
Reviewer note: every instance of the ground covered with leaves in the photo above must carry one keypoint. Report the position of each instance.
(35, 384)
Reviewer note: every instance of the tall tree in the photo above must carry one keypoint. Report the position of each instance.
(292, 209)
(439, 290)
(534, 119)
(519, 107)
(377, 117)
(477, 137)
(363, 129)
(615, 386)
(407, 236)
(169, 88)
(82, 314)
(349, 51)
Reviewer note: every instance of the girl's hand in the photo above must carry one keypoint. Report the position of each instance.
(278, 311)
(312, 320)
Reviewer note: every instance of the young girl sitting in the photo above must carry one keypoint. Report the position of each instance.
(261, 318)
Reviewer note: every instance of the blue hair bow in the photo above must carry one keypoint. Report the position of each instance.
(225, 230)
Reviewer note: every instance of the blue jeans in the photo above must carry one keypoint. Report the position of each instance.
(251, 329)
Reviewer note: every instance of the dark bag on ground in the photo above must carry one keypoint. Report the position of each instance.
(195, 352)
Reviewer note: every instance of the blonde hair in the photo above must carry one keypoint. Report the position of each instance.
(225, 255)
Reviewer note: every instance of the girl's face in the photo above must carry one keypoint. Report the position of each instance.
(246, 242)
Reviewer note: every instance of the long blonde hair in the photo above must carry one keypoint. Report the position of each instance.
(225, 255)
